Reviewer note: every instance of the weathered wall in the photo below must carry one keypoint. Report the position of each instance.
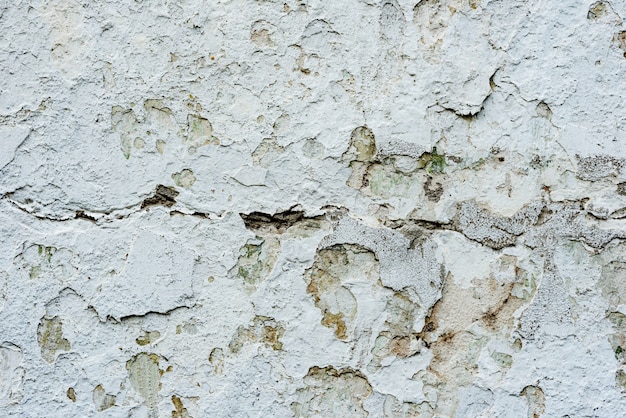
(312, 208)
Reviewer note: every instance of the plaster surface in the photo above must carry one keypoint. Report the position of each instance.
(312, 208)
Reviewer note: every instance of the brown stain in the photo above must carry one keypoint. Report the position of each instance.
(401, 347)
(488, 301)
(272, 336)
(336, 322)
(450, 331)
(216, 358)
(71, 394)
(179, 410)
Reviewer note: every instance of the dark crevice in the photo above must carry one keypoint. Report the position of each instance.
(163, 196)
(278, 222)
(145, 315)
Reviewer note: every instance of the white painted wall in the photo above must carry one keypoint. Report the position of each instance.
(312, 208)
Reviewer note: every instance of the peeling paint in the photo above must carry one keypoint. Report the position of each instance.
(396, 209)
(331, 392)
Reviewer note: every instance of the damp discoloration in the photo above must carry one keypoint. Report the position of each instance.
(392, 209)
(263, 330)
(199, 132)
(50, 338)
(399, 337)
(125, 123)
(257, 259)
(4, 280)
(362, 145)
(361, 152)
(101, 399)
(42, 262)
(618, 338)
(620, 379)
(335, 270)
(261, 34)
(620, 40)
(185, 178)
(612, 283)
(267, 152)
(394, 408)
(432, 192)
(461, 324)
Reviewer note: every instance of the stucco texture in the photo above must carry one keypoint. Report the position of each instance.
(312, 208)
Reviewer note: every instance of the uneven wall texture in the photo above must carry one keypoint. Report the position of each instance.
(392, 208)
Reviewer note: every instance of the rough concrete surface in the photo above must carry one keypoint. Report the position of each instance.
(312, 208)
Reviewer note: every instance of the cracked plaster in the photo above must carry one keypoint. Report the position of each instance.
(304, 208)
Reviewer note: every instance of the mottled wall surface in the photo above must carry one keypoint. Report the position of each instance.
(312, 208)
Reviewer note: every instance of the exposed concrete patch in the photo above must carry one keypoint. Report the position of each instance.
(145, 378)
(598, 166)
(331, 392)
(11, 374)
